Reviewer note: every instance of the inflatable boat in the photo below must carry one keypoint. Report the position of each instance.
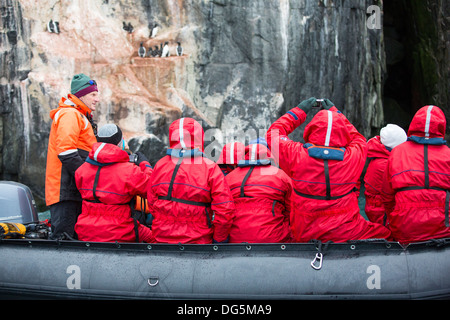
(35, 267)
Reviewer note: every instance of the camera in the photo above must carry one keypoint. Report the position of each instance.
(133, 158)
(319, 104)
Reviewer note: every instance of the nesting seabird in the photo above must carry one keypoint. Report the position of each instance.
(141, 51)
(179, 49)
(50, 27)
(150, 52)
(127, 27)
(56, 26)
(153, 30)
(155, 52)
(165, 51)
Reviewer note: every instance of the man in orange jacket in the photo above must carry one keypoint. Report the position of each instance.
(72, 136)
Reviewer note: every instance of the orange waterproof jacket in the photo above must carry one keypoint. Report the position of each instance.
(71, 139)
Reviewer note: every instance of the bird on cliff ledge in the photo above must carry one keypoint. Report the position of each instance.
(53, 26)
(127, 27)
(153, 30)
(179, 49)
(149, 52)
(56, 26)
(50, 26)
(165, 51)
(155, 52)
(141, 51)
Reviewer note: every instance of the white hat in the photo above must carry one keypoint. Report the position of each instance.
(392, 135)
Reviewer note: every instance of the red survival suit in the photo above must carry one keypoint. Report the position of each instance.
(417, 182)
(190, 199)
(231, 154)
(106, 213)
(378, 156)
(262, 194)
(325, 172)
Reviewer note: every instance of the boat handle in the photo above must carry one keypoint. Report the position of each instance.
(318, 258)
(153, 281)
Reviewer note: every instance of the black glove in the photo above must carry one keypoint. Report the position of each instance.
(141, 158)
(327, 104)
(306, 105)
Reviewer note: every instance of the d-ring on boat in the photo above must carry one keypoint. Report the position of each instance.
(374, 269)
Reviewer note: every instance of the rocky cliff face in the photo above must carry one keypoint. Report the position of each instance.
(418, 52)
(244, 64)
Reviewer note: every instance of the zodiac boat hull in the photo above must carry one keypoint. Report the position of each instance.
(35, 267)
(359, 270)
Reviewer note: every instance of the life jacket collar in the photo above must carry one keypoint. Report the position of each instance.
(325, 153)
(185, 153)
(431, 141)
(259, 162)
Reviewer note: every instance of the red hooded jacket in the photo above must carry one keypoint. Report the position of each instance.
(231, 154)
(378, 156)
(189, 197)
(417, 182)
(106, 214)
(262, 194)
(325, 173)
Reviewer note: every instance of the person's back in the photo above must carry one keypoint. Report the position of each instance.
(189, 197)
(262, 194)
(325, 173)
(108, 182)
(416, 191)
(379, 149)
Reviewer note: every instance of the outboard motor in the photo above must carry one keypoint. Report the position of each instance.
(17, 203)
(18, 213)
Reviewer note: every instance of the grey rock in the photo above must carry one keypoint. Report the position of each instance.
(247, 63)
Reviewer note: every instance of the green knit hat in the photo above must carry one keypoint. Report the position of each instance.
(82, 85)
